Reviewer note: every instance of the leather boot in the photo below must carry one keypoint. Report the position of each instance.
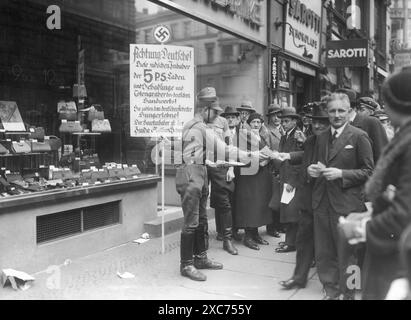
(218, 225)
(202, 262)
(228, 244)
(187, 268)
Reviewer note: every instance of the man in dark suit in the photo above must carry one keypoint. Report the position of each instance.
(289, 173)
(305, 234)
(369, 124)
(275, 132)
(343, 163)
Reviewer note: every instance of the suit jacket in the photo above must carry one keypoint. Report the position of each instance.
(288, 172)
(351, 152)
(274, 137)
(375, 131)
(305, 182)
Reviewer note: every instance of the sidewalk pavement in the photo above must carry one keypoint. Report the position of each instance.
(252, 275)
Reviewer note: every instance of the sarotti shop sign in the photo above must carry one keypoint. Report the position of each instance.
(303, 28)
(347, 53)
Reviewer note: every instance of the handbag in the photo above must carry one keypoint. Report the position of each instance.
(54, 142)
(3, 149)
(37, 133)
(10, 116)
(95, 112)
(20, 147)
(40, 147)
(70, 126)
(69, 115)
(131, 171)
(69, 106)
(116, 173)
(100, 125)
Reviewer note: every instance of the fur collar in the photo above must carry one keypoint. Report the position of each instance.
(375, 186)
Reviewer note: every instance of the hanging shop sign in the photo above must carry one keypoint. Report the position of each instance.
(280, 72)
(274, 72)
(246, 18)
(347, 53)
(303, 29)
(161, 89)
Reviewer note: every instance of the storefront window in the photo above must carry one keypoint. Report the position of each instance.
(82, 69)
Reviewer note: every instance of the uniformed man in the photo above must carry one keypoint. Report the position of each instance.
(222, 188)
(192, 182)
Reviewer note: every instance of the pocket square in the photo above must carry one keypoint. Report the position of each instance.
(348, 146)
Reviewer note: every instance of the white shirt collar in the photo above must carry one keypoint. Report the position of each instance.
(339, 130)
(352, 116)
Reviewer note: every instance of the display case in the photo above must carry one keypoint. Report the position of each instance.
(33, 164)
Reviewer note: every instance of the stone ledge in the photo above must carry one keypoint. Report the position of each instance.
(172, 223)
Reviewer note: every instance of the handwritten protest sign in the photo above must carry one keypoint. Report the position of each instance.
(161, 89)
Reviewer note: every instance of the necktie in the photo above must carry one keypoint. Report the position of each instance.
(334, 137)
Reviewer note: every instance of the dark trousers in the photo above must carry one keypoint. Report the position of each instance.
(192, 185)
(291, 233)
(276, 225)
(305, 247)
(332, 253)
(221, 198)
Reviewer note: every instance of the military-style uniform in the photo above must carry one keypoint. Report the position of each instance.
(192, 185)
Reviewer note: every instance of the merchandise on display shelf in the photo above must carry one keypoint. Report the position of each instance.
(70, 126)
(100, 125)
(10, 116)
(37, 133)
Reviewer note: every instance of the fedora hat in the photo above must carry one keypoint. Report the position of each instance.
(246, 105)
(370, 103)
(207, 94)
(230, 110)
(289, 113)
(273, 109)
(396, 91)
(319, 111)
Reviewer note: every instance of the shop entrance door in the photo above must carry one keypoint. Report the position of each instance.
(302, 89)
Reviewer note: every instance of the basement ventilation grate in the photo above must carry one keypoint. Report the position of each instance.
(68, 223)
(57, 225)
(101, 215)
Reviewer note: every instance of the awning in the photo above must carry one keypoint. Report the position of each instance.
(302, 68)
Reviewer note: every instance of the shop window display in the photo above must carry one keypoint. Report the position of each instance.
(71, 88)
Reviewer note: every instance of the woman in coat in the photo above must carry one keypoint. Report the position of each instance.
(389, 190)
(253, 192)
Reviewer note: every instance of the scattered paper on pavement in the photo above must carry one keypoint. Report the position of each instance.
(17, 279)
(126, 275)
(144, 238)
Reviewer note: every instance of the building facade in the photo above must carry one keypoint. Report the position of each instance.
(307, 46)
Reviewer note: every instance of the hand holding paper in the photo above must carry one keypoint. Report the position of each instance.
(288, 194)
